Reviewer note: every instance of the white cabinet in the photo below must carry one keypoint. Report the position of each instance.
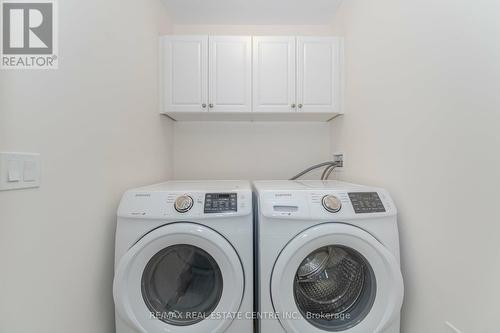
(184, 63)
(206, 74)
(297, 74)
(245, 78)
(318, 74)
(274, 74)
(230, 74)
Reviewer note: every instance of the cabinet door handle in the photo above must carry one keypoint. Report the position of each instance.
(300, 106)
(293, 106)
(203, 105)
(210, 105)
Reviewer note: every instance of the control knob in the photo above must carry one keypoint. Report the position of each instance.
(331, 203)
(183, 203)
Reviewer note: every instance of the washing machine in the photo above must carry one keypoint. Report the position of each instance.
(184, 258)
(328, 258)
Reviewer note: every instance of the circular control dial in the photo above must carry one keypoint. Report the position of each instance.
(183, 203)
(331, 203)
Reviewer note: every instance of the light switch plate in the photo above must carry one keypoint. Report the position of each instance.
(19, 170)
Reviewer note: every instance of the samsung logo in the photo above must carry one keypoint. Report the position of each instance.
(143, 195)
(283, 195)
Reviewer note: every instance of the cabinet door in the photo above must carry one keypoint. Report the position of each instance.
(318, 74)
(274, 74)
(230, 74)
(185, 73)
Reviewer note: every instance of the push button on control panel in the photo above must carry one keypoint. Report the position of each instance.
(221, 202)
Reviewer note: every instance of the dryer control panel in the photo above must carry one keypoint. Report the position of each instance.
(221, 203)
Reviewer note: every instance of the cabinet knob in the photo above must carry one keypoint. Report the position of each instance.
(203, 105)
(300, 106)
(293, 106)
(210, 105)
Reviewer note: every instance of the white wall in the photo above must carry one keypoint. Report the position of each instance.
(253, 30)
(246, 150)
(422, 119)
(95, 122)
(249, 150)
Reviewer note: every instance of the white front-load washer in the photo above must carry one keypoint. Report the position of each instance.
(184, 258)
(328, 258)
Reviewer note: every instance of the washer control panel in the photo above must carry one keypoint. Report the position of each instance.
(221, 202)
(366, 202)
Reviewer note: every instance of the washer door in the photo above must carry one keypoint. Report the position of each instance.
(336, 278)
(183, 278)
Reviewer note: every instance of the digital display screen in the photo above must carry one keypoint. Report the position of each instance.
(221, 203)
(366, 202)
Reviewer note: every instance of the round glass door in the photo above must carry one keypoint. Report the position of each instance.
(334, 288)
(178, 278)
(336, 277)
(182, 285)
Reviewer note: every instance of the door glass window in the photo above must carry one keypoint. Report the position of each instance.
(334, 288)
(182, 285)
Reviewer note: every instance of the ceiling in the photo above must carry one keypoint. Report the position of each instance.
(248, 12)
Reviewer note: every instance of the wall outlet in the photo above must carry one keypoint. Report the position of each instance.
(451, 327)
(339, 158)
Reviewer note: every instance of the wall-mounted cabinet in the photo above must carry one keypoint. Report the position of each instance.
(244, 78)
(318, 74)
(230, 74)
(274, 77)
(185, 74)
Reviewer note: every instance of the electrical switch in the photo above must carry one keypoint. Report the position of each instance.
(14, 171)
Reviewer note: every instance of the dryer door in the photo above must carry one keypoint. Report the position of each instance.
(182, 278)
(336, 278)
